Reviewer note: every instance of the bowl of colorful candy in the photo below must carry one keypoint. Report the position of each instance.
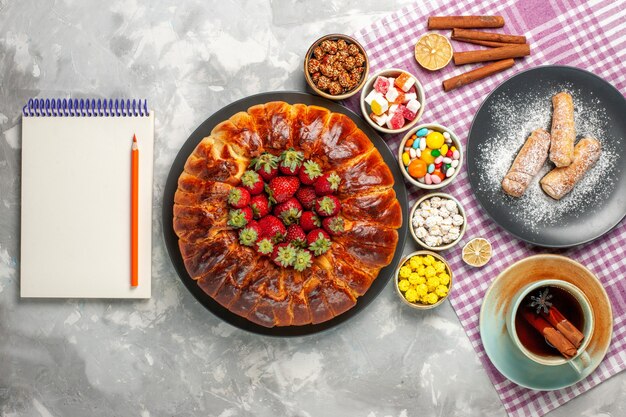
(336, 66)
(423, 280)
(430, 156)
(392, 101)
(437, 221)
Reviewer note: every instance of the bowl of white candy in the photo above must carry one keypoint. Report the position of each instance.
(437, 221)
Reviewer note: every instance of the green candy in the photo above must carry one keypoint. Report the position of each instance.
(435, 153)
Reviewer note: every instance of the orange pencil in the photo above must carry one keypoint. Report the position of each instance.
(134, 215)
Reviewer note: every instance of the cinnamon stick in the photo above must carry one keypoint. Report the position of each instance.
(495, 54)
(477, 74)
(488, 36)
(451, 22)
(557, 320)
(483, 43)
(552, 335)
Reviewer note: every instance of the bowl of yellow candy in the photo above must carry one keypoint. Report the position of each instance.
(423, 279)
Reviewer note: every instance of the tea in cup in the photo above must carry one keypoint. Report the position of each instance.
(551, 322)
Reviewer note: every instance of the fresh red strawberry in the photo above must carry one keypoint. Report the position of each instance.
(272, 228)
(265, 246)
(334, 225)
(266, 165)
(252, 182)
(260, 206)
(290, 161)
(238, 218)
(296, 236)
(249, 235)
(238, 197)
(327, 184)
(284, 255)
(307, 197)
(309, 221)
(304, 260)
(327, 206)
(309, 172)
(289, 211)
(318, 241)
(282, 188)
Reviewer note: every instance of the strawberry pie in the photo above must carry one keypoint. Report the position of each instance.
(285, 214)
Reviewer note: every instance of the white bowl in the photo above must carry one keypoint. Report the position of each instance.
(447, 245)
(455, 141)
(420, 306)
(369, 85)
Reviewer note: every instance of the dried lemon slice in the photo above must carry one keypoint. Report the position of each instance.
(477, 252)
(433, 51)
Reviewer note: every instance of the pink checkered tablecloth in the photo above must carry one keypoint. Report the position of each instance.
(590, 35)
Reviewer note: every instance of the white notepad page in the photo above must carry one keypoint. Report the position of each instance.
(76, 182)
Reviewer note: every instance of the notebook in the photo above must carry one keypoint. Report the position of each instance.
(76, 198)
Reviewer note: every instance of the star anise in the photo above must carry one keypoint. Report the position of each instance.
(541, 302)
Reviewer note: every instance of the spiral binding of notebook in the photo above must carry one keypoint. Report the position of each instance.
(85, 108)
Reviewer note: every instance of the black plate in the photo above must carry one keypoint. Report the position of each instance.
(171, 240)
(592, 219)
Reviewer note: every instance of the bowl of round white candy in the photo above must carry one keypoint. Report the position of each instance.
(438, 221)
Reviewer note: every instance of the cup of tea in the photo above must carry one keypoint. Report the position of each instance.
(534, 323)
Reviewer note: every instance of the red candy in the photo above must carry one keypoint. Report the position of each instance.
(408, 114)
(381, 85)
(396, 121)
(449, 153)
(438, 165)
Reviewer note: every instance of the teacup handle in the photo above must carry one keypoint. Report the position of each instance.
(581, 362)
